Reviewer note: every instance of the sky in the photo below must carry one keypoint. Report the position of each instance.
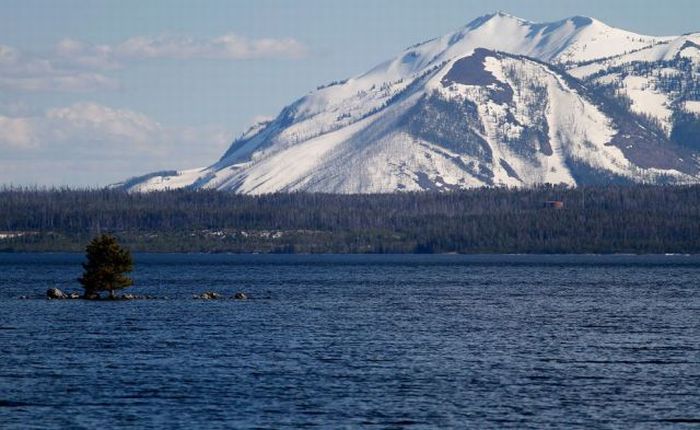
(93, 92)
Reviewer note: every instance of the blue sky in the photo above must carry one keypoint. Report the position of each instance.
(92, 92)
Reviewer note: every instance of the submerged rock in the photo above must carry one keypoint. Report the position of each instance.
(240, 296)
(139, 297)
(55, 294)
(91, 296)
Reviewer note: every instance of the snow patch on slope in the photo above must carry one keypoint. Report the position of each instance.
(647, 100)
(182, 179)
(692, 106)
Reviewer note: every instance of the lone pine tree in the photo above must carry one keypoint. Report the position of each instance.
(107, 263)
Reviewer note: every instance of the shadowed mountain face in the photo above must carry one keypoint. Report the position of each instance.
(501, 102)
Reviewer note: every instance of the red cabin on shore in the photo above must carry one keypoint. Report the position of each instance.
(554, 204)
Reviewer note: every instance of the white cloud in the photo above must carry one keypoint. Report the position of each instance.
(77, 66)
(79, 53)
(78, 82)
(117, 143)
(28, 73)
(16, 133)
(91, 122)
(226, 47)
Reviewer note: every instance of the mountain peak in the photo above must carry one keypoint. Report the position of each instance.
(502, 14)
(582, 21)
(579, 21)
(495, 17)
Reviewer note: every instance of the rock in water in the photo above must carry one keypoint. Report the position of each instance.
(55, 294)
(209, 295)
(240, 296)
(74, 295)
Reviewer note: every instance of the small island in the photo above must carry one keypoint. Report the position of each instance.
(106, 268)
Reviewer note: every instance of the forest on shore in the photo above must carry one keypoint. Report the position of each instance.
(610, 219)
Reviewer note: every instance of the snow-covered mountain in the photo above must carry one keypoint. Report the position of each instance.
(502, 101)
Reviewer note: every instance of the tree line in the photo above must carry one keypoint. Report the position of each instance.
(610, 219)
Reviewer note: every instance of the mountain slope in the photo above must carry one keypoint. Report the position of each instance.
(449, 114)
(661, 82)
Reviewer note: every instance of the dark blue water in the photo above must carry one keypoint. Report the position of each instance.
(356, 341)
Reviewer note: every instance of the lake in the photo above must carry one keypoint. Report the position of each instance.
(434, 341)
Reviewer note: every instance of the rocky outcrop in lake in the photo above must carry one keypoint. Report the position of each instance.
(55, 294)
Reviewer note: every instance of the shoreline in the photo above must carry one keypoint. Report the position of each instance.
(478, 254)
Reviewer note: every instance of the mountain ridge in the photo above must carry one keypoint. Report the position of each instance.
(499, 118)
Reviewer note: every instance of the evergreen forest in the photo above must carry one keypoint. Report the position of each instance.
(610, 219)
